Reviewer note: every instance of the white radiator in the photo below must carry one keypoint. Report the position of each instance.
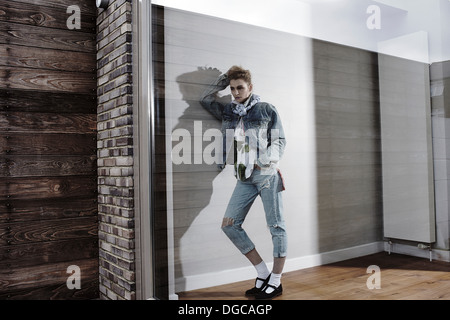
(407, 163)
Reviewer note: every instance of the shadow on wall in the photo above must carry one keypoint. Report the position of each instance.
(193, 183)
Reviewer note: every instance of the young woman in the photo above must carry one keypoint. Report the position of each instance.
(259, 143)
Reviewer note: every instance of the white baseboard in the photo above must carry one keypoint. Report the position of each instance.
(234, 275)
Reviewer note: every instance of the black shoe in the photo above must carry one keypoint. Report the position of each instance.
(263, 295)
(254, 291)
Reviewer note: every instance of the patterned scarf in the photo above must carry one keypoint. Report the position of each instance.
(242, 109)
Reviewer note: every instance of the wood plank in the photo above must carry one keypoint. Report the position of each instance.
(48, 230)
(48, 144)
(12, 100)
(43, 58)
(86, 6)
(30, 254)
(29, 278)
(46, 80)
(47, 122)
(47, 187)
(44, 209)
(16, 210)
(89, 290)
(41, 37)
(50, 166)
(40, 15)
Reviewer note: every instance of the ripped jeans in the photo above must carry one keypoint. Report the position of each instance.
(269, 187)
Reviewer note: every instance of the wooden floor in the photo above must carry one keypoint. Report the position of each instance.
(402, 278)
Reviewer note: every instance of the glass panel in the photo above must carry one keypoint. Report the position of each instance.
(191, 54)
(408, 193)
(350, 81)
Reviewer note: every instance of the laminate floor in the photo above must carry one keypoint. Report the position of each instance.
(401, 278)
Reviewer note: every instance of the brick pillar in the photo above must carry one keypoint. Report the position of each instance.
(115, 152)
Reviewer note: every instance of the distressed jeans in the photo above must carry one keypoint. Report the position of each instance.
(269, 187)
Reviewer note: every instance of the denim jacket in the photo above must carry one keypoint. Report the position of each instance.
(262, 124)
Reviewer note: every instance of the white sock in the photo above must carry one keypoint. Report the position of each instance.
(263, 273)
(275, 280)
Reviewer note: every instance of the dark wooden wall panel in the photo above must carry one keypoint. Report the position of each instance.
(48, 160)
(86, 6)
(48, 80)
(41, 37)
(46, 144)
(50, 122)
(18, 166)
(40, 209)
(47, 230)
(51, 102)
(26, 255)
(35, 278)
(47, 187)
(42, 58)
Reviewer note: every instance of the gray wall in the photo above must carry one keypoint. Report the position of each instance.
(348, 146)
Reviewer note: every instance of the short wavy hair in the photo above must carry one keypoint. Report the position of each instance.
(236, 72)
